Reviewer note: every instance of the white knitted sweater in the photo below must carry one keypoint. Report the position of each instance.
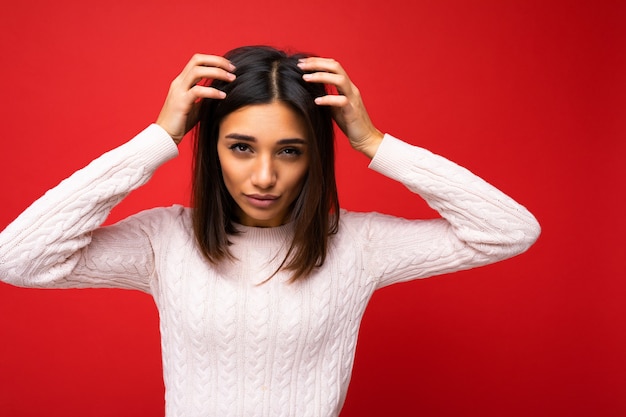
(232, 347)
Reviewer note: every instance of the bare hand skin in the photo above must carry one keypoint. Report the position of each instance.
(180, 111)
(348, 109)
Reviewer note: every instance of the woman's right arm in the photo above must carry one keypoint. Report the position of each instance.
(45, 243)
(61, 231)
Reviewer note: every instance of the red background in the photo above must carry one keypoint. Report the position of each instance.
(528, 94)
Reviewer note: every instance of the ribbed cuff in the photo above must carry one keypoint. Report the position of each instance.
(154, 145)
(396, 158)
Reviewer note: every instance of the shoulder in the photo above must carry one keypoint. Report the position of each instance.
(373, 229)
(161, 219)
(363, 223)
(353, 220)
(356, 219)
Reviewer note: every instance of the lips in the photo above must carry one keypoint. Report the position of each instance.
(261, 200)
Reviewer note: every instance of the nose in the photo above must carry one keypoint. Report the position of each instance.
(264, 173)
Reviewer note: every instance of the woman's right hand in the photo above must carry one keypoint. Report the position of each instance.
(180, 110)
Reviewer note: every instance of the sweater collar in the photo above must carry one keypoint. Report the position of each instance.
(263, 236)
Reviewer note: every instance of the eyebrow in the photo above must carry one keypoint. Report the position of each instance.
(248, 138)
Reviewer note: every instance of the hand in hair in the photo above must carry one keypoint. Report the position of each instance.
(180, 110)
(348, 109)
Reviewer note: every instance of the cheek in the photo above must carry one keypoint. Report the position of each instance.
(229, 173)
(298, 179)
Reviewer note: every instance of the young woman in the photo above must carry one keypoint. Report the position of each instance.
(262, 285)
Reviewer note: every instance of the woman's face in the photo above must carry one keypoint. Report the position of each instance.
(263, 151)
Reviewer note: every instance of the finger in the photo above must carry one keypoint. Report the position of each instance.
(200, 92)
(341, 82)
(325, 78)
(332, 100)
(321, 64)
(199, 73)
(202, 66)
(209, 61)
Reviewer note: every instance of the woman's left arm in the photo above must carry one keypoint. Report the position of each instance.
(479, 225)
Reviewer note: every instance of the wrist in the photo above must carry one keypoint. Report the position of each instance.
(175, 138)
(369, 147)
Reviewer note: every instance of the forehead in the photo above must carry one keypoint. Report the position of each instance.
(275, 120)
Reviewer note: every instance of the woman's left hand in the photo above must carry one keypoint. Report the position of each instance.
(348, 108)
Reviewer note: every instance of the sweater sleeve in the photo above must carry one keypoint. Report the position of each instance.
(58, 242)
(479, 224)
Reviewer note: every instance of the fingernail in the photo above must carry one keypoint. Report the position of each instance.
(307, 77)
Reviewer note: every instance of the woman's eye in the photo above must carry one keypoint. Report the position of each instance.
(239, 147)
(291, 151)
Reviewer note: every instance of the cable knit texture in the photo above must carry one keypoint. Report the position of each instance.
(232, 347)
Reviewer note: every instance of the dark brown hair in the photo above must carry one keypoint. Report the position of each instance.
(265, 75)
